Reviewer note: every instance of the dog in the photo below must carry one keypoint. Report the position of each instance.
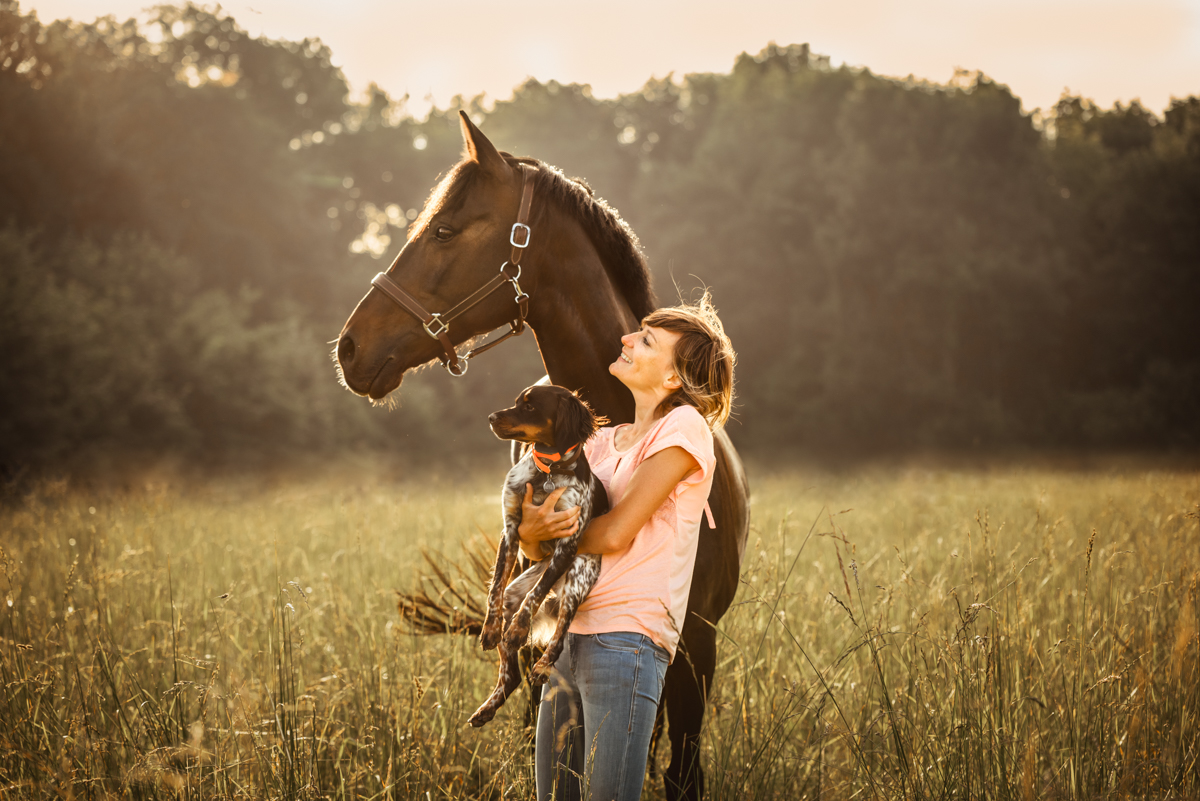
(555, 423)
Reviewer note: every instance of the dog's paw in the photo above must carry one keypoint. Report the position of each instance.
(517, 631)
(489, 638)
(482, 715)
(540, 673)
(516, 637)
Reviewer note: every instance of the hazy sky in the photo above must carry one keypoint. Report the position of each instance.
(1103, 49)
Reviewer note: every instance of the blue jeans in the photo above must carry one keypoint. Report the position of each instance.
(611, 684)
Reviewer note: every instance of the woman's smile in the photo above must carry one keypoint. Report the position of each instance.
(645, 361)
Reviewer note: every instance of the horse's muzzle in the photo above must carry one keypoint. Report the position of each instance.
(345, 351)
(365, 377)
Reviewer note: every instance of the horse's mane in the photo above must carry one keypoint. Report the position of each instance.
(617, 244)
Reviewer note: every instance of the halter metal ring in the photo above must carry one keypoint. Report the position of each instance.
(461, 365)
(437, 320)
(504, 271)
(512, 237)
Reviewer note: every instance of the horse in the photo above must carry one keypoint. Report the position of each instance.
(571, 269)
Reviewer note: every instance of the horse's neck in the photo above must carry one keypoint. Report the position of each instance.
(579, 317)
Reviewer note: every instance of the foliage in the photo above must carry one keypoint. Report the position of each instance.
(901, 265)
(121, 347)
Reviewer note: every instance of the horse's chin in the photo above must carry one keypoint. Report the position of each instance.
(384, 384)
(386, 379)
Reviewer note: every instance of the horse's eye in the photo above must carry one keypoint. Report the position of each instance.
(444, 233)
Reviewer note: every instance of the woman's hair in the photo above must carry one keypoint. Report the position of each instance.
(703, 359)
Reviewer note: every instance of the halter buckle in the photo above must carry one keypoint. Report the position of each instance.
(512, 237)
(436, 320)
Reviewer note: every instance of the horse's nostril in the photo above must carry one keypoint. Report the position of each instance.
(345, 349)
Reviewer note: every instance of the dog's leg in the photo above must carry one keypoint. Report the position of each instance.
(575, 587)
(518, 588)
(541, 670)
(559, 562)
(506, 560)
(508, 681)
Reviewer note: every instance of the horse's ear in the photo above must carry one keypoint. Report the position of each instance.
(481, 150)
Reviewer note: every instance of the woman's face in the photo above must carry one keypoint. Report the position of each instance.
(646, 360)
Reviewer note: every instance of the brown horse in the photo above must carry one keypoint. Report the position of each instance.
(587, 285)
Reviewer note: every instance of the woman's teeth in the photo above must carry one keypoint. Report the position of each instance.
(626, 359)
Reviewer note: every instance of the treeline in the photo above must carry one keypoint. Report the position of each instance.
(188, 214)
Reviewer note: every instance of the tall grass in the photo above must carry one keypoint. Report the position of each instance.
(1013, 634)
(900, 633)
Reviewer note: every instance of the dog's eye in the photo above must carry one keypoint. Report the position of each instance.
(528, 406)
(444, 233)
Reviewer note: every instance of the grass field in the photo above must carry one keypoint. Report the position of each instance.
(900, 633)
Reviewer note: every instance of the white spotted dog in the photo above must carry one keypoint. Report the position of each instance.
(556, 423)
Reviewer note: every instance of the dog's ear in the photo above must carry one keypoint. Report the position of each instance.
(574, 423)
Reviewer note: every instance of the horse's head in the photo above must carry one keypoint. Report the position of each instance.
(456, 246)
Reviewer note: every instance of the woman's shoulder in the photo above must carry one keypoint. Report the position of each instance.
(682, 425)
(686, 419)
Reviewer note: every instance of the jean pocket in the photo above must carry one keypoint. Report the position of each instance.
(660, 654)
(623, 641)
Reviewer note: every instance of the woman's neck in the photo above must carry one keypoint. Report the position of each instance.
(644, 417)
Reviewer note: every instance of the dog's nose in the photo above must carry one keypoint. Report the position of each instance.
(492, 417)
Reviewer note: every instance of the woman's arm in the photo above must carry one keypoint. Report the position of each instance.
(649, 486)
(651, 483)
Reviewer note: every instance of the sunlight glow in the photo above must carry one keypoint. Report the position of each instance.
(1036, 48)
(375, 239)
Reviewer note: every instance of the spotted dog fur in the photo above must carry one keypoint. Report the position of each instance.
(543, 598)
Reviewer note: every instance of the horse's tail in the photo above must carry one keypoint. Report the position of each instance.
(450, 601)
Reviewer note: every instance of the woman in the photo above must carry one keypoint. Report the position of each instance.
(657, 471)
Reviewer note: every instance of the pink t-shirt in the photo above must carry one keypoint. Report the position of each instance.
(645, 587)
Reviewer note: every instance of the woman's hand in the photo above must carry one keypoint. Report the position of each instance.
(541, 523)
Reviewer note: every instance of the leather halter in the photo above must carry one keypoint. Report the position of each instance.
(438, 325)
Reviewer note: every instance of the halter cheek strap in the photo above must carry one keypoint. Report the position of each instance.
(437, 325)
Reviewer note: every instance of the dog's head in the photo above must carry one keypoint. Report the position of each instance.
(549, 415)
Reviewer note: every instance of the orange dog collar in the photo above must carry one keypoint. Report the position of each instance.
(550, 459)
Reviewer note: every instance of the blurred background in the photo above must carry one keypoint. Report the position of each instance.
(190, 210)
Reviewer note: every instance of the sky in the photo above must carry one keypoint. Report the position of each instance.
(1106, 50)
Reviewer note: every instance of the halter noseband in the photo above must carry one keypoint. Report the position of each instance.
(438, 325)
